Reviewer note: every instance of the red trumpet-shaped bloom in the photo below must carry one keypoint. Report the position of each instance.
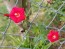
(17, 14)
(53, 36)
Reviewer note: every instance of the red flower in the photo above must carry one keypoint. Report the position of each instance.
(53, 36)
(17, 14)
(6, 15)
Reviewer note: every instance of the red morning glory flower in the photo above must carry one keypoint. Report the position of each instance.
(17, 14)
(53, 36)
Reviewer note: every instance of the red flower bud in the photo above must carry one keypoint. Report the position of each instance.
(49, 1)
(6, 15)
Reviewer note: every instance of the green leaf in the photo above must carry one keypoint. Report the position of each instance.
(47, 46)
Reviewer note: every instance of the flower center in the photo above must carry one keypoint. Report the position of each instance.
(54, 37)
(17, 15)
